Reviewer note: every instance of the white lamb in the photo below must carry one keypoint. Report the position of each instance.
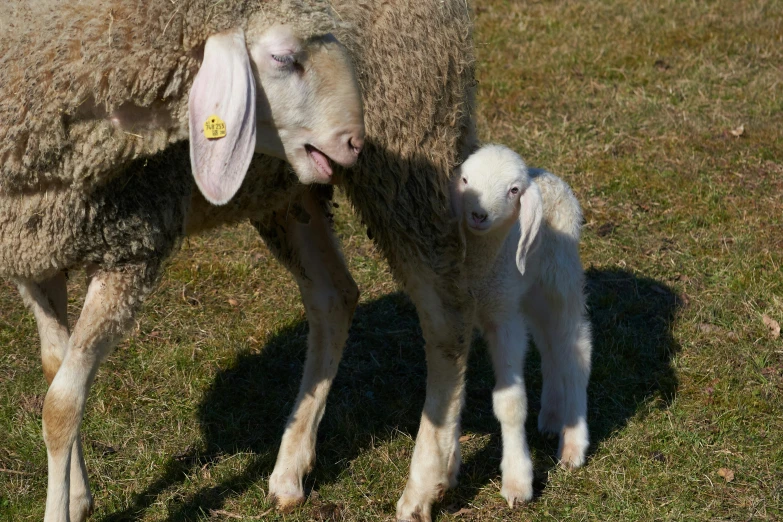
(523, 229)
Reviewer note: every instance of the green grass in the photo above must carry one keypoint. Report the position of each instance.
(633, 103)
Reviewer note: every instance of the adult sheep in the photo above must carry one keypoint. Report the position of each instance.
(415, 64)
(97, 100)
(414, 61)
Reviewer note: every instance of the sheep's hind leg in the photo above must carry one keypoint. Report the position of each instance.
(48, 301)
(507, 342)
(446, 327)
(305, 244)
(107, 312)
(562, 335)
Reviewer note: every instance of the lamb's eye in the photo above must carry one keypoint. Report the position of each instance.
(514, 190)
(465, 181)
(284, 59)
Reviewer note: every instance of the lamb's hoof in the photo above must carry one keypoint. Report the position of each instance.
(517, 493)
(572, 456)
(286, 493)
(81, 509)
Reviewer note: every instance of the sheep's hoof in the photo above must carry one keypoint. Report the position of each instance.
(286, 504)
(415, 516)
(285, 492)
(414, 507)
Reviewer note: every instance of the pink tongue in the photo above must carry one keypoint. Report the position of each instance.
(321, 161)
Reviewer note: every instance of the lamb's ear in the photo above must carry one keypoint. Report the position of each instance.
(530, 212)
(222, 117)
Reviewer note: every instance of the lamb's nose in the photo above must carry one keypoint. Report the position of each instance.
(478, 218)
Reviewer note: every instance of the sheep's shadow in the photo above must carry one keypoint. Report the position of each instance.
(379, 392)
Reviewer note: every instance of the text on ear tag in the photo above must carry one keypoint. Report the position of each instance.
(214, 128)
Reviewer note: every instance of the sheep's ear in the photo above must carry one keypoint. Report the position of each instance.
(222, 117)
(530, 212)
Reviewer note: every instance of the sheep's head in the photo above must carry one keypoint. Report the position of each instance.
(288, 90)
(311, 104)
(493, 191)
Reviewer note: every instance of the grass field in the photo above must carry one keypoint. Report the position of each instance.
(667, 119)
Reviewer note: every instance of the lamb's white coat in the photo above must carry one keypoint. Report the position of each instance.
(522, 230)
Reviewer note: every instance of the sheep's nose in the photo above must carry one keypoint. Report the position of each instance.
(345, 147)
(356, 143)
(478, 218)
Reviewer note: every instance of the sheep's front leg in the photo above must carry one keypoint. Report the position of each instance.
(108, 311)
(507, 342)
(305, 243)
(436, 457)
(48, 301)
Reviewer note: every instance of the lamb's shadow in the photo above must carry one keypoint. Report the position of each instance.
(632, 319)
(379, 392)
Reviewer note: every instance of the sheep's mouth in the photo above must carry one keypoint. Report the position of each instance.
(322, 162)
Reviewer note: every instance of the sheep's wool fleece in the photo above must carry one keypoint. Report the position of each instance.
(76, 190)
(69, 67)
(63, 172)
(415, 64)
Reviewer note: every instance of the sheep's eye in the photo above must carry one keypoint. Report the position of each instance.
(465, 181)
(284, 59)
(514, 190)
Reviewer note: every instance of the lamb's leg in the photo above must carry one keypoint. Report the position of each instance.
(48, 301)
(307, 247)
(562, 335)
(108, 311)
(446, 327)
(507, 341)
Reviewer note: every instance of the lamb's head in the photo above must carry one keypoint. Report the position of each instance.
(493, 191)
(285, 87)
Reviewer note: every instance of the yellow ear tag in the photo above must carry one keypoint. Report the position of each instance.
(214, 128)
